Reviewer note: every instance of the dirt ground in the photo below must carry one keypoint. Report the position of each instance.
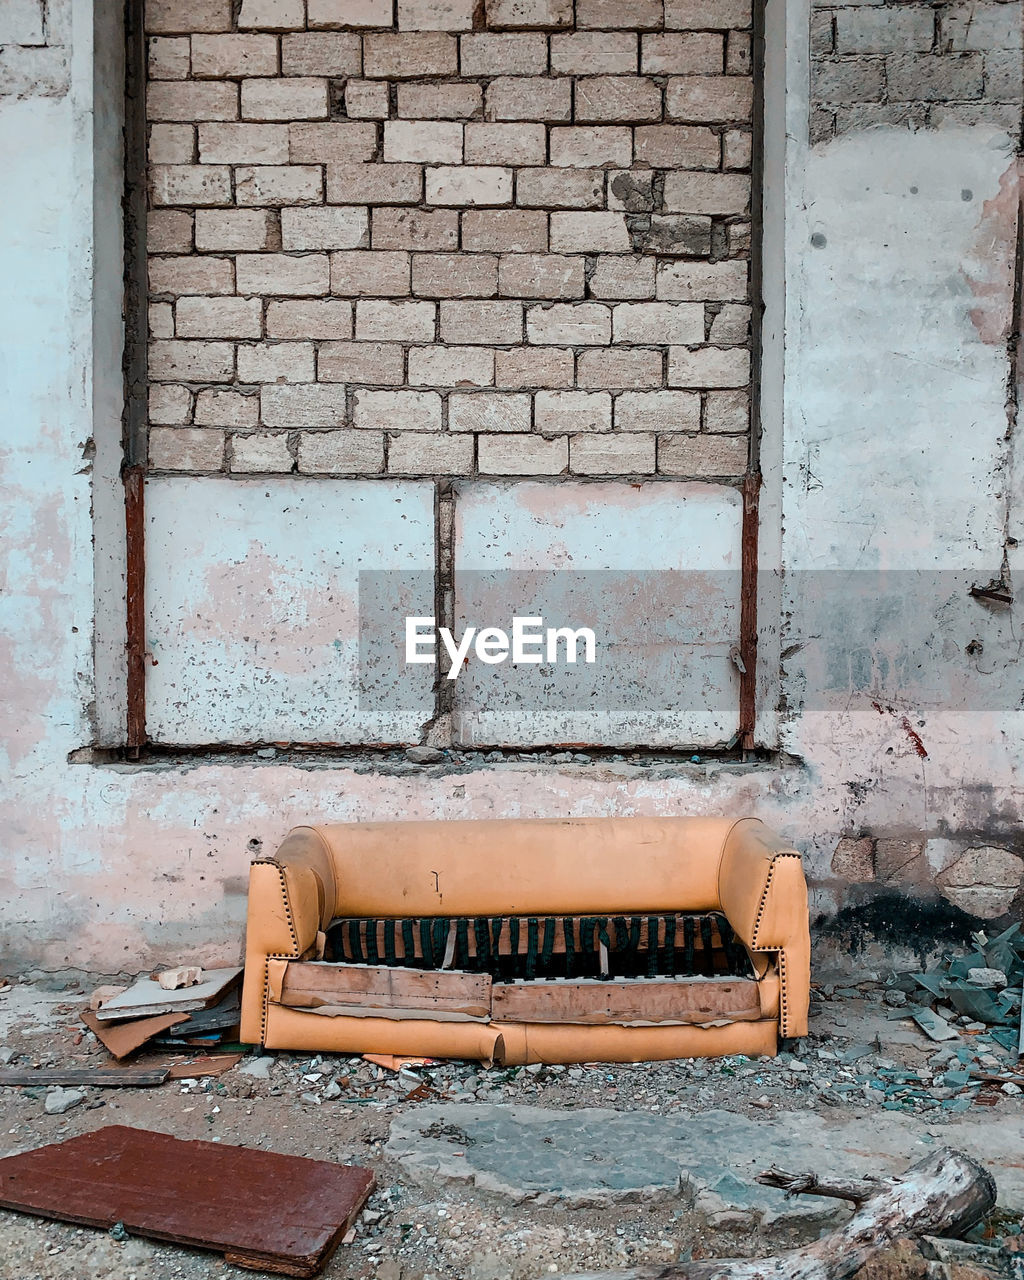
(858, 1061)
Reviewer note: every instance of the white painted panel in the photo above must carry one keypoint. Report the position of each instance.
(653, 569)
(252, 601)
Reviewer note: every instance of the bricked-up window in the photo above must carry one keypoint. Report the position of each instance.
(449, 237)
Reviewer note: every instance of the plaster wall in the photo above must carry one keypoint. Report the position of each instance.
(888, 447)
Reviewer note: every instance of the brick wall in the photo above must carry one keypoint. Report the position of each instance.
(34, 42)
(920, 65)
(449, 237)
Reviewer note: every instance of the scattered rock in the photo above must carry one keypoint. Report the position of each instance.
(992, 979)
(60, 1100)
(424, 755)
(257, 1067)
(102, 994)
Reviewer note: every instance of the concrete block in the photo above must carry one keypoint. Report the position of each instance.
(529, 98)
(529, 13)
(185, 16)
(560, 188)
(623, 276)
(169, 58)
(272, 15)
(191, 184)
(357, 14)
(430, 453)
(853, 79)
(518, 144)
(190, 275)
(397, 410)
(591, 147)
(488, 411)
(711, 99)
(217, 408)
(334, 227)
(278, 185)
(702, 455)
(421, 229)
(189, 361)
(737, 149)
(375, 183)
(172, 144)
(481, 322)
(569, 324)
(234, 55)
(195, 449)
(727, 411)
(469, 185)
(629, 14)
(699, 281)
(316, 318)
(867, 29)
(249, 144)
(329, 144)
(423, 141)
(367, 99)
(440, 101)
(294, 407)
(191, 100)
(409, 55)
(688, 15)
(708, 367)
(379, 320)
(620, 368)
(281, 273)
(583, 231)
(503, 230)
(566, 412)
(541, 275)
(632, 190)
(610, 99)
(358, 273)
(681, 53)
(701, 192)
(371, 363)
(738, 54)
(985, 28)
(658, 411)
(321, 53)
(197, 317)
(534, 367)
(677, 146)
(525, 455)
(325, 453)
(454, 275)
(170, 405)
(655, 322)
(731, 324)
(935, 78)
(501, 54)
(276, 362)
(260, 451)
(589, 53)
(439, 366)
(612, 455)
(294, 98)
(435, 15)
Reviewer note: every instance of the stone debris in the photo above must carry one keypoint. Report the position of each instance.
(189, 975)
(259, 1067)
(60, 1100)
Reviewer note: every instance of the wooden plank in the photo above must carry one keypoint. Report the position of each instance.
(123, 1038)
(147, 997)
(285, 1214)
(198, 1067)
(308, 984)
(591, 1001)
(133, 1076)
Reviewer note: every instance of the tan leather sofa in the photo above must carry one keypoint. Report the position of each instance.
(598, 866)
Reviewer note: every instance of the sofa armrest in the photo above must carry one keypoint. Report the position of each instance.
(764, 896)
(291, 898)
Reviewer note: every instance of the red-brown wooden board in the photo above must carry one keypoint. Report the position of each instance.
(262, 1210)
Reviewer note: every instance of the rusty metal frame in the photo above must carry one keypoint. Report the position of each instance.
(135, 370)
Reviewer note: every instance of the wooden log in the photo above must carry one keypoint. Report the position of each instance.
(591, 1001)
(308, 985)
(945, 1194)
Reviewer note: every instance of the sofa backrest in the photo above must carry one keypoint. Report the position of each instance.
(526, 866)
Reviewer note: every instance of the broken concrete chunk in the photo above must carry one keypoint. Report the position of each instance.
(423, 755)
(257, 1067)
(102, 994)
(990, 979)
(184, 976)
(60, 1100)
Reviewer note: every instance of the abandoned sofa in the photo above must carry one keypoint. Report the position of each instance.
(517, 941)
